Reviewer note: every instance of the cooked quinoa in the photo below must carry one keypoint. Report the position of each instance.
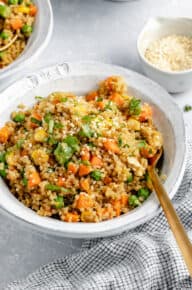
(81, 159)
(16, 25)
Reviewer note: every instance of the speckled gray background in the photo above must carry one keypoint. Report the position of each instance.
(84, 30)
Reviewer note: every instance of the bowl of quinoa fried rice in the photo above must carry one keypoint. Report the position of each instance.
(75, 145)
(25, 30)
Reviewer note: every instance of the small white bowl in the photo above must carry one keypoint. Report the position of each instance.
(39, 39)
(81, 78)
(154, 29)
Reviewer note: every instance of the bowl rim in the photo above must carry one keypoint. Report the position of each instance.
(141, 55)
(12, 68)
(105, 228)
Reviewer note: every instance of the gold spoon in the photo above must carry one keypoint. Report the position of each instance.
(171, 215)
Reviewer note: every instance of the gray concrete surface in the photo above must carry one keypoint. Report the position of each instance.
(84, 30)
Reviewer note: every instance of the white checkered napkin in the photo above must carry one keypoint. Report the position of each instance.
(144, 258)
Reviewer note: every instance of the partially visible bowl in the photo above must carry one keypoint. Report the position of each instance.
(157, 28)
(39, 39)
(81, 78)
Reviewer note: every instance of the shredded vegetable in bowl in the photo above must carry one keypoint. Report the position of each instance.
(81, 159)
(16, 25)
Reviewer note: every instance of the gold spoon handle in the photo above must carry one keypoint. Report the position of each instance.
(173, 219)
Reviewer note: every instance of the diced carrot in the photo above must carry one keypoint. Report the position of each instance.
(71, 217)
(146, 113)
(84, 184)
(100, 105)
(72, 168)
(85, 154)
(107, 180)
(33, 10)
(111, 145)
(84, 170)
(117, 98)
(4, 134)
(36, 116)
(96, 161)
(61, 181)
(91, 96)
(124, 200)
(34, 179)
(16, 23)
(116, 206)
(84, 201)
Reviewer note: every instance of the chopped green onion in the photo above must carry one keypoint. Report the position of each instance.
(120, 141)
(51, 141)
(88, 118)
(99, 99)
(91, 144)
(63, 153)
(25, 181)
(19, 118)
(2, 53)
(86, 131)
(59, 202)
(143, 192)
(64, 100)
(51, 126)
(108, 106)
(130, 178)
(20, 143)
(48, 117)
(3, 173)
(53, 187)
(3, 157)
(58, 125)
(135, 106)
(133, 200)
(73, 142)
(38, 97)
(12, 2)
(141, 144)
(35, 121)
(96, 175)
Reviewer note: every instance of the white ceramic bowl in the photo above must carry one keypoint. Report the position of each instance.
(154, 29)
(39, 39)
(80, 78)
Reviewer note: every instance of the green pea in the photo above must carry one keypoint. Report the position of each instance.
(19, 118)
(133, 201)
(5, 11)
(96, 175)
(4, 35)
(27, 30)
(143, 192)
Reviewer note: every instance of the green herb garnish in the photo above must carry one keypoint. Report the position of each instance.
(187, 108)
(135, 106)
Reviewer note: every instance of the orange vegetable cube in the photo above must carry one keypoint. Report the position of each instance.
(84, 170)
(84, 201)
(96, 161)
(4, 134)
(111, 145)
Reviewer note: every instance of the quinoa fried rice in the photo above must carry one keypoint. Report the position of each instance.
(16, 25)
(81, 159)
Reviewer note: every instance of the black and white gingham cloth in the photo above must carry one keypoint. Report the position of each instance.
(144, 258)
